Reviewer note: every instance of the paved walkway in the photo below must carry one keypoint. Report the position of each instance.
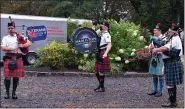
(77, 92)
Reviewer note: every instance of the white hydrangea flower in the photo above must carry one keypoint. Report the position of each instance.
(118, 58)
(84, 68)
(98, 31)
(134, 33)
(141, 38)
(81, 61)
(80, 67)
(76, 52)
(133, 50)
(73, 50)
(111, 58)
(132, 54)
(146, 47)
(121, 51)
(127, 61)
(85, 55)
(116, 22)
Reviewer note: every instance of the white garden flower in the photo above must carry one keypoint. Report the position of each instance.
(111, 58)
(141, 38)
(73, 50)
(146, 47)
(118, 58)
(116, 22)
(133, 50)
(76, 52)
(85, 55)
(121, 51)
(98, 31)
(132, 54)
(81, 61)
(134, 33)
(80, 67)
(127, 61)
(83, 68)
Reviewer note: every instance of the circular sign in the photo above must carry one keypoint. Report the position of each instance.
(85, 40)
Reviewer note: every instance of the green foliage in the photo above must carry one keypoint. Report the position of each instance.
(63, 9)
(53, 55)
(125, 35)
(115, 68)
(89, 65)
(71, 27)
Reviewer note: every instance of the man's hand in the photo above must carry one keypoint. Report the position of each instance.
(154, 51)
(104, 55)
(21, 45)
(160, 53)
(15, 50)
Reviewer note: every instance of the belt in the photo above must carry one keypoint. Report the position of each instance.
(10, 55)
(102, 50)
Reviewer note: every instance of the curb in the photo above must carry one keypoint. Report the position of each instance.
(125, 74)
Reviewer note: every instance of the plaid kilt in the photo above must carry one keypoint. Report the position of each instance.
(102, 65)
(19, 72)
(173, 70)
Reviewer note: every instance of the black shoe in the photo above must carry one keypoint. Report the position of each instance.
(97, 88)
(100, 90)
(7, 97)
(153, 93)
(169, 104)
(159, 94)
(14, 96)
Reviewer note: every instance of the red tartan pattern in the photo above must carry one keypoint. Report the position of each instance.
(104, 65)
(19, 72)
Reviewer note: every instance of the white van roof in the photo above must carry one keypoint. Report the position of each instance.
(30, 17)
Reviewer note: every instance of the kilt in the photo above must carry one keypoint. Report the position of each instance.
(173, 70)
(102, 65)
(19, 72)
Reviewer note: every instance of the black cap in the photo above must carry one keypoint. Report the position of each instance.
(105, 23)
(11, 24)
(94, 22)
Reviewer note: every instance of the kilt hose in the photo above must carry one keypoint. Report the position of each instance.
(18, 72)
(173, 70)
(102, 64)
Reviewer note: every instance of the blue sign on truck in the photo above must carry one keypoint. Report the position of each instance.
(36, 33)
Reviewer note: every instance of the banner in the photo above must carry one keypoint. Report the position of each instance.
(36, 33)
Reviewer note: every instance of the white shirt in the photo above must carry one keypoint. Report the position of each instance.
(10, 42)
(105, 38)
(175, 42)
(182, 35)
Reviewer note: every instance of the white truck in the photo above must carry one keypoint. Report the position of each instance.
(38, 29)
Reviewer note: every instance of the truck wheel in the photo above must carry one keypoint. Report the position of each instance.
(30, 58)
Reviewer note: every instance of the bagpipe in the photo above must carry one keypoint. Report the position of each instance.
(173, 52)
(157, 42)
(21, 39)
